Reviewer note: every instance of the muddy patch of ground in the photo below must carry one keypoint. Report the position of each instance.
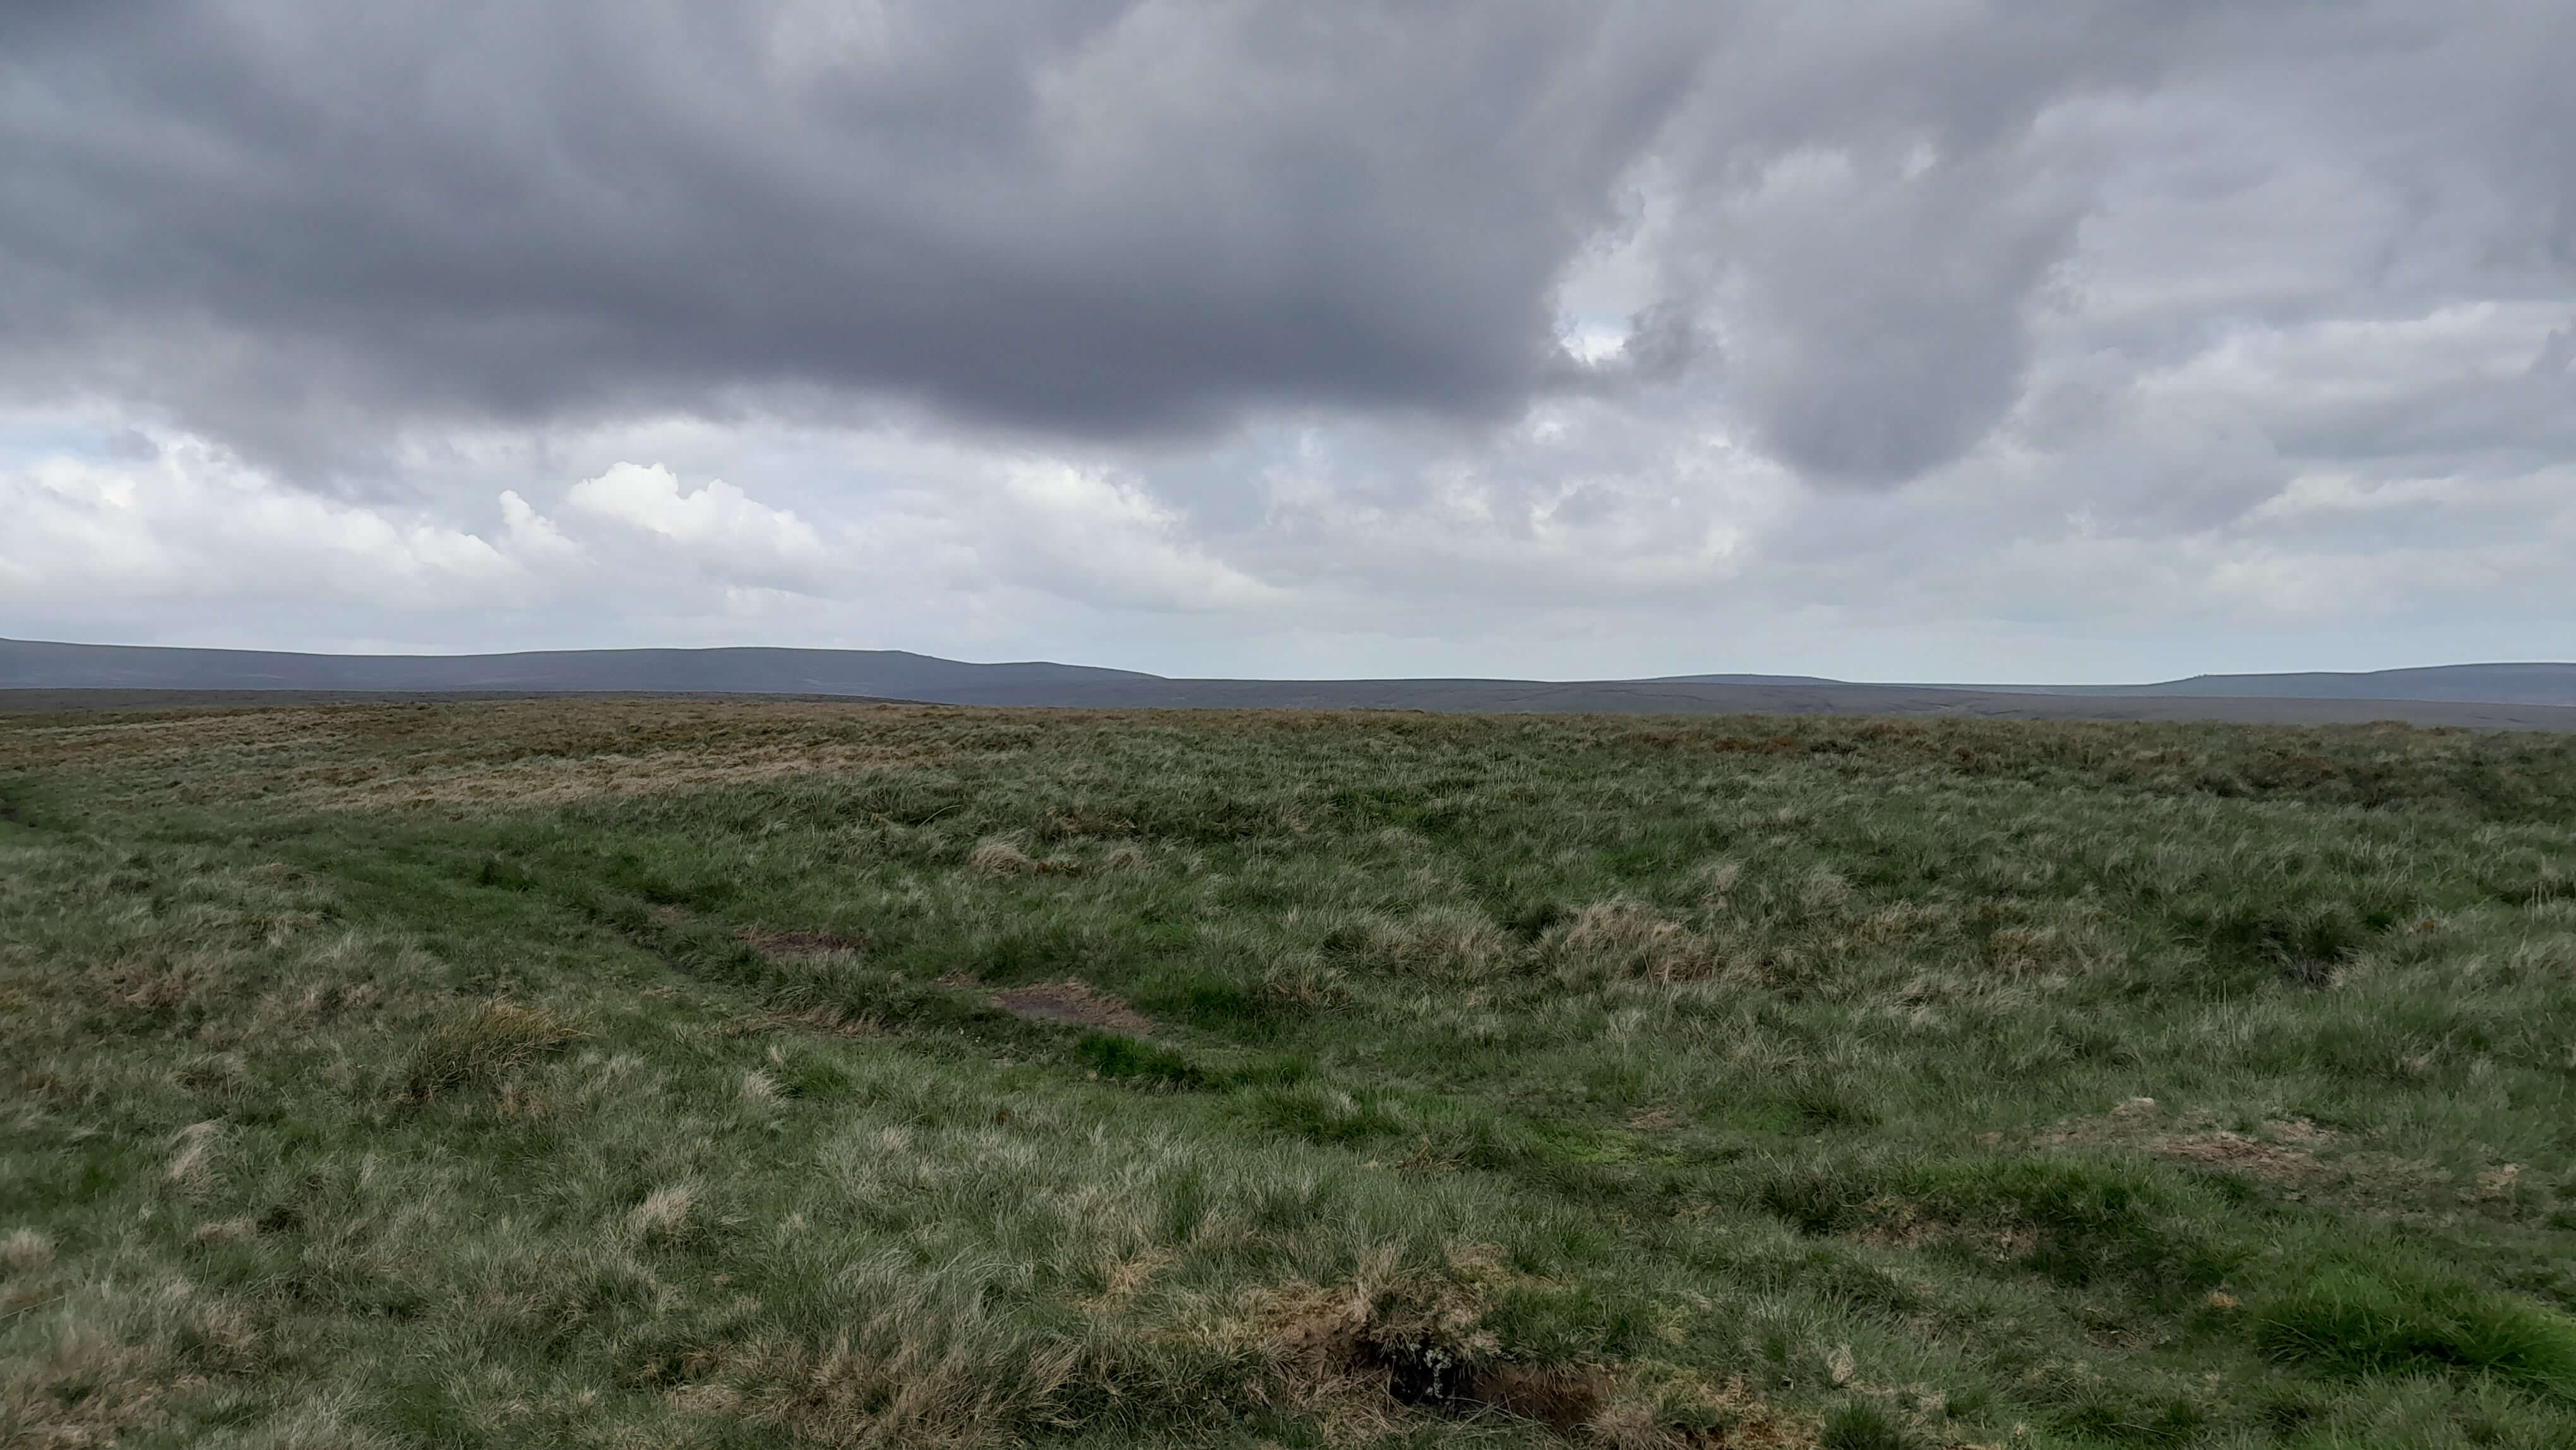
(1073, 1004)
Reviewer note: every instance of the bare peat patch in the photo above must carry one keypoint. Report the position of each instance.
(1072, 1004)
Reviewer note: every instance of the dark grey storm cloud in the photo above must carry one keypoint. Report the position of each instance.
(290, 222)
(295, 224)
(1093, 216)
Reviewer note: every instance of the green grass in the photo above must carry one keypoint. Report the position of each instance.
(630, 1074)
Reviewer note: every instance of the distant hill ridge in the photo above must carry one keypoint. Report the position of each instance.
(2536, 683)
(2539, 696)
(26, 664)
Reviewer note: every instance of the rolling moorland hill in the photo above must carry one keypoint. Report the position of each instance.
(2511, 684)
(2516, 696)
(772, 1075)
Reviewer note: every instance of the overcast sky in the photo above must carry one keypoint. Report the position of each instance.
(2080, 342)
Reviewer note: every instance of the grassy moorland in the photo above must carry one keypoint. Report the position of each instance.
(686, 1074)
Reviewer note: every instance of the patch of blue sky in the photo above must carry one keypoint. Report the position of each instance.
(29, 441)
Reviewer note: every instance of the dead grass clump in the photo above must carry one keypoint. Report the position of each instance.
(163, 982)
(91, 1388)
(1124, 1275)
(316, 1425)
(1899, 922)
(998, 857)
(213, 1074)
(807, 944)
(1441, 942)
(1303, 983)
(2063, 949)
(927, 1366)
(26, 1252)
(1627, 938)
(482, 1045)
(192, 1168)
(663, 1216)
(1824, 893)
(1716, 878)
(228, 1231)
(1075, 823)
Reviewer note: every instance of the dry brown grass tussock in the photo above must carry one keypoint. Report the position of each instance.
(192, 1168)
(484, 1044)
(1441, 942)
(663, 1216)
(801, 943)
(90, 1388)
(26, 1251)
(1627, 938)
(999, 857)
(913, 1370)
(162, 981)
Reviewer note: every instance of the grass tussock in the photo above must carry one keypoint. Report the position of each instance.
(1449, 942)
(480, 1047)
(636, 1073)
(1623, 938)
(25, 1251)
(2401, 1315)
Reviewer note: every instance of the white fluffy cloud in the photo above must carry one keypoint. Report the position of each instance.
(718, 527)
(190, 523)
(187, 520)
(178, 518)
(1091, 533)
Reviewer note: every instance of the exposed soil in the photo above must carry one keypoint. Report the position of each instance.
(1356, 1355)
(2237, 1153)
(1073, 1004)
(1565, 1398)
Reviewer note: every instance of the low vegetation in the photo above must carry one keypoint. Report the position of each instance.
(696, 1074)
